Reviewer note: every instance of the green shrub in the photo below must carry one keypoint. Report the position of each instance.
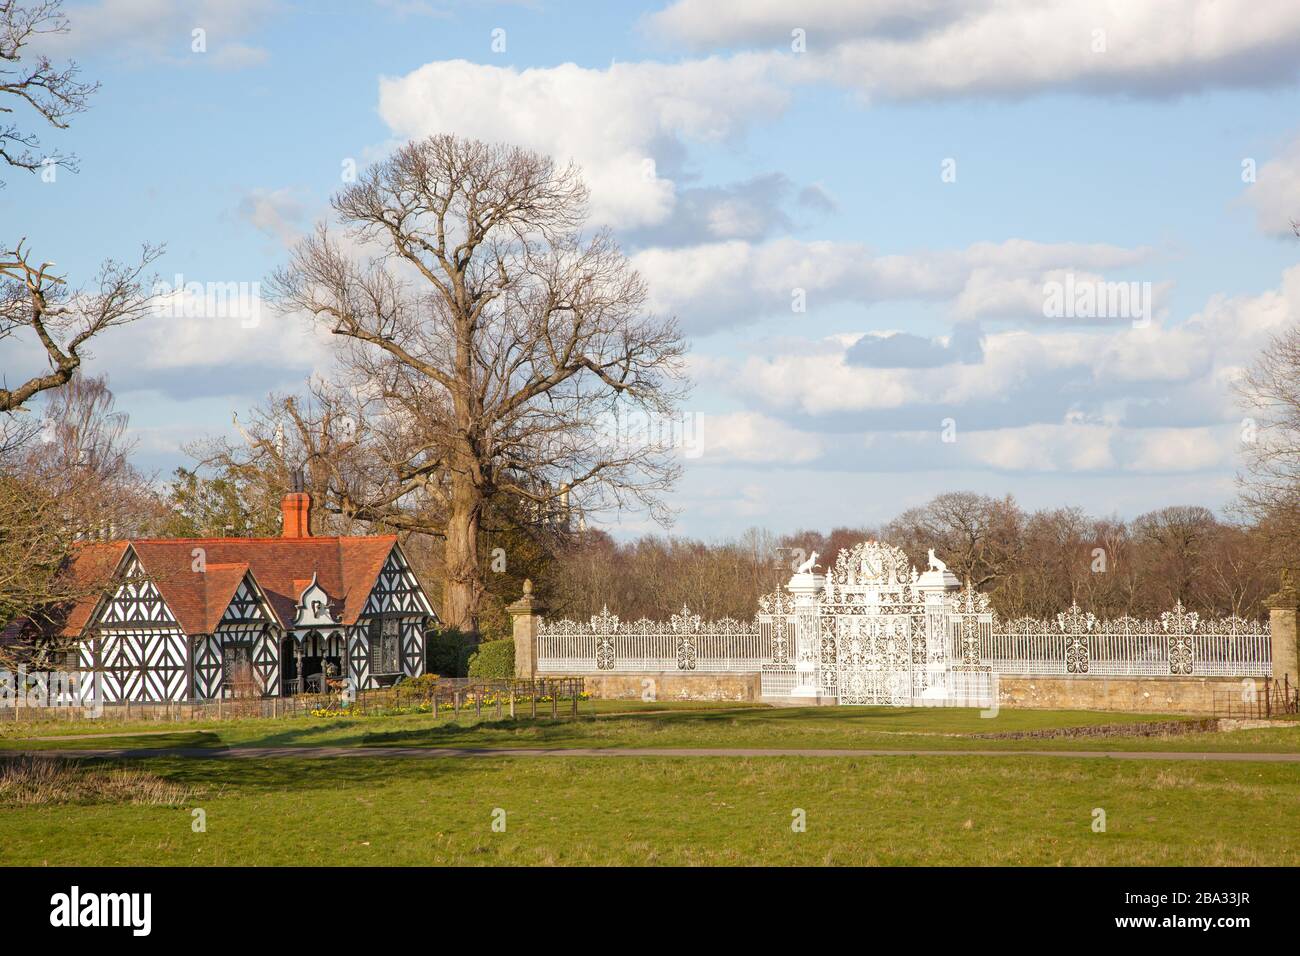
(449, 652)
(494, 660)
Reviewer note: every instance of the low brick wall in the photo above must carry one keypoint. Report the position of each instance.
(672, 685)
(1181, 695)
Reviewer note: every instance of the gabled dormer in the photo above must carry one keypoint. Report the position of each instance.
(314, 607)
(135, 600)
(396, 590)
(248, 605)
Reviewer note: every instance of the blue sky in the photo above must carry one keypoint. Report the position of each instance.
(1103, 142)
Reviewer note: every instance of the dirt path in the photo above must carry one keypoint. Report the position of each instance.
(444, 752)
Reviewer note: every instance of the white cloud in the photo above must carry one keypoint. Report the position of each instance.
(731, 22)
(716, 285)
(626, 125)
(197, 340)
(222, 325)
(1069, 446)
(898, 50)
(274, 212)
(754, 438)
(1073, 444)
(1181, 449)
(1275, 194)
(164, 29)
(1087, 446)
(1165, 375)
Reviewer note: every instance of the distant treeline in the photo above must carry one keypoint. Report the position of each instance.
(1030, 563)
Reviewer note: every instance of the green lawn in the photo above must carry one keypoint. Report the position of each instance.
(670, 726)
(663, 810)
(890, 810)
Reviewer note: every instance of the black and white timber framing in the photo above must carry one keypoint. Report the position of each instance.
(136, 646)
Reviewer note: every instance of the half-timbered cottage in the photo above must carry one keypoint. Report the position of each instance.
(202, 618)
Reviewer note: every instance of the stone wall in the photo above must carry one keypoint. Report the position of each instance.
(1153, 695)
(672, 686)
(1181, 695)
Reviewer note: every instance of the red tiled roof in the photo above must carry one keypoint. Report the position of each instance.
(346, 567)
(92, 567)
(220, 583)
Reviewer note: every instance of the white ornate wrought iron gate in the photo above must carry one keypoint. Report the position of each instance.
(885, 630)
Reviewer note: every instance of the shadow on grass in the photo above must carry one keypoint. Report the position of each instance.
(494, 733)
(768, 727)
(203, 739)
(235, 777)
(684, 727)
(708, 728)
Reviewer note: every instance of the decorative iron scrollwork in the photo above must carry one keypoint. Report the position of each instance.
(1180, 625)
(1076, 654)
(606, 627)
(685, 653)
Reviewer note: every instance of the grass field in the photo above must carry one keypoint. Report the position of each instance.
(667, 810)
(692, 726)
(896, 810)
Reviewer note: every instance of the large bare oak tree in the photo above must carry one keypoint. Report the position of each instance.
(492, 350)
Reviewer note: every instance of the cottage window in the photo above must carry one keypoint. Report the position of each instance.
(237, 667)
(385, 646)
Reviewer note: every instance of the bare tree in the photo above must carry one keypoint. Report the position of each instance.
(977, 535)
(496, 350)
(34, 299)
(1033, 564)
(1270, 488)
(53, 93)
(346, 448)
(83, 459)
(654, 576)
(63, 321)
(38, 581)
(1236, 577)
(1112, 585)
(71, 481)
(1174, 542)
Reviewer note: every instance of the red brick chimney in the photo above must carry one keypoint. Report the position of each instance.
(296, 508)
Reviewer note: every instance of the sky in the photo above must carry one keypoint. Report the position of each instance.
(894, 232)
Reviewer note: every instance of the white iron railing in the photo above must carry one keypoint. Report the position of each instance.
(683, 643)
(1074, 644)
(778, 680)
(1078, 644)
